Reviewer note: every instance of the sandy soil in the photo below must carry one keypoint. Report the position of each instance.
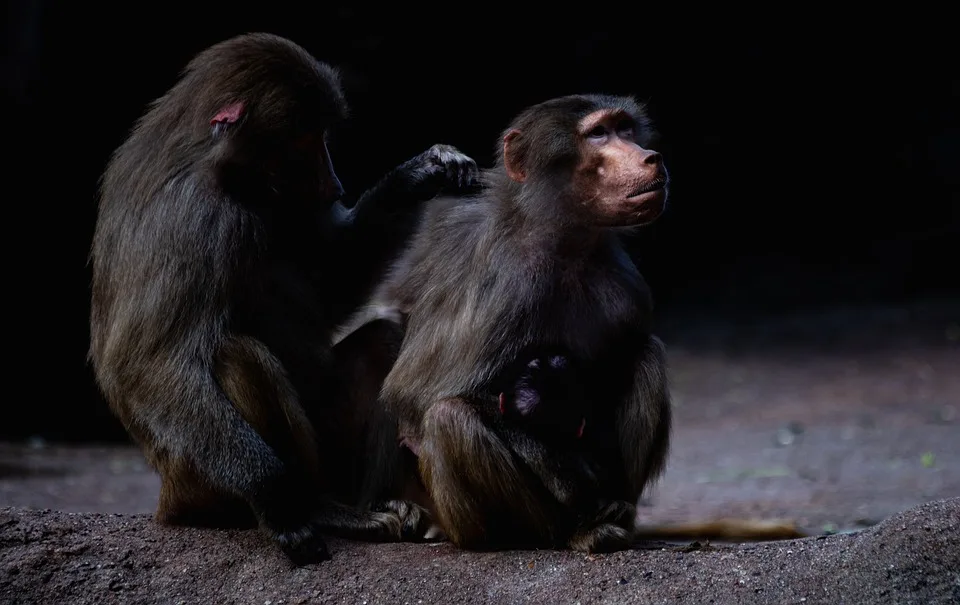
(837, 433)
(53, 557)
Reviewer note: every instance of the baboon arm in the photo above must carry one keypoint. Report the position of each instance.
(391, 199)
(644, 418)
(371, 233)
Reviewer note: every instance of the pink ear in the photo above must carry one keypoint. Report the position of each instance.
(229, 114)
(512, 164)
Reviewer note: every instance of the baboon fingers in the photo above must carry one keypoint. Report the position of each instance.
(415, 521)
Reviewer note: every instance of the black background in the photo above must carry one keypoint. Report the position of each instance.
(814, 158)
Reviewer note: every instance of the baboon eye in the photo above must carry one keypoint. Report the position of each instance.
(597, 133)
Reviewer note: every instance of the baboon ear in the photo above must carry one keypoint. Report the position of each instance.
(512, 160)
(229, 114)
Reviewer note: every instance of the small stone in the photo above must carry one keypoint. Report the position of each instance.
(784, 437)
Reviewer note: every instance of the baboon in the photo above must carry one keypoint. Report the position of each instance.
(222, 262)
(533, 263)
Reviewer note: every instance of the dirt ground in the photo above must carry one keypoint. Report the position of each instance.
(850, 420)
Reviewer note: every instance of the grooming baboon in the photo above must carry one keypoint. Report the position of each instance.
(222, 262)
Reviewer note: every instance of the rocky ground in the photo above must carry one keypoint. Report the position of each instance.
(844, 421)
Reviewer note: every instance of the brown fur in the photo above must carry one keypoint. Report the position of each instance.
(533, 262)
(222, 263)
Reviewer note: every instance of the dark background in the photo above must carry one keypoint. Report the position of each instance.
(814, 159)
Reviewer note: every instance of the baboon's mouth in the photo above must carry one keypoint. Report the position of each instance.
(656, 184)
